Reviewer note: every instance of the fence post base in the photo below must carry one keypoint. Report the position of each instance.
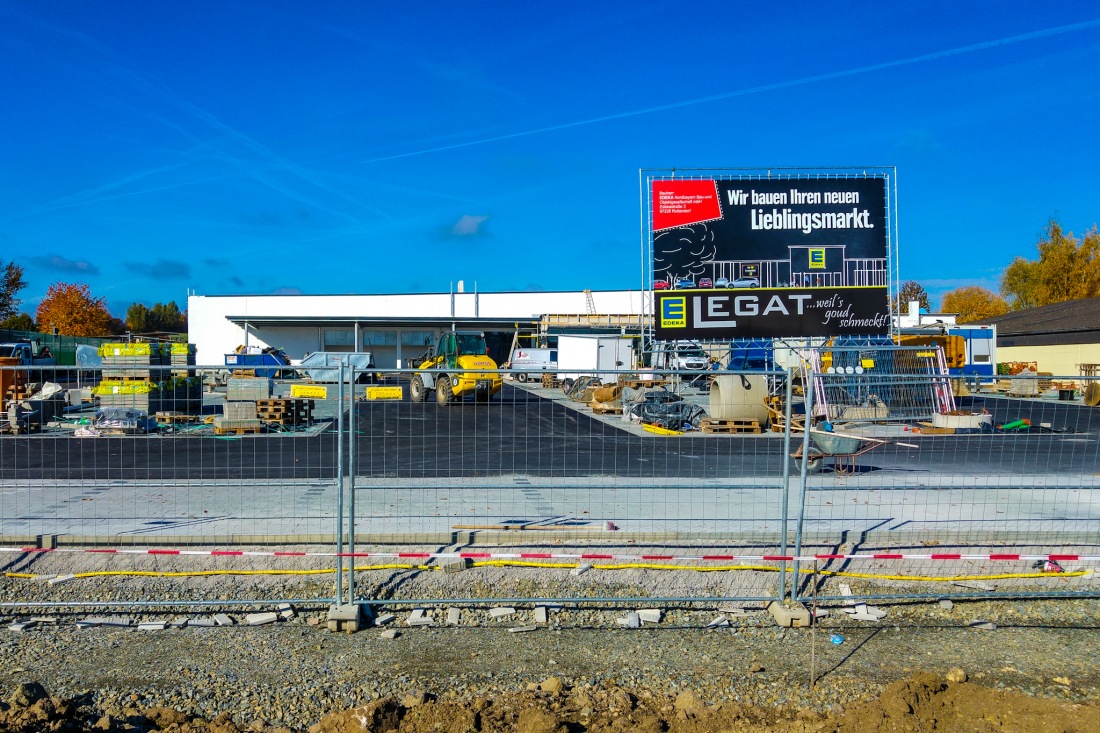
(344, 618)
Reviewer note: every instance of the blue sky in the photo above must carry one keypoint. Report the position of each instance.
(347, 147)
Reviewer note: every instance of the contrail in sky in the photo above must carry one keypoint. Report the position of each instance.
(1009, 40)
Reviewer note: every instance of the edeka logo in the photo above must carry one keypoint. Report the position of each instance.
(674, 312)
(817, 258)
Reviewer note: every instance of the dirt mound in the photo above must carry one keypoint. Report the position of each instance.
(924, 702)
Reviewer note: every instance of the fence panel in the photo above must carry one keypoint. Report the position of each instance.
(534, 476)
(972, 501)
(259, 475)
(140, 454)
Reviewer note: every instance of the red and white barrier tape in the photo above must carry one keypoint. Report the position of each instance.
(556, 555)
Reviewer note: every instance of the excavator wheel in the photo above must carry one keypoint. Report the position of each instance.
(417, 391)
(443, 393)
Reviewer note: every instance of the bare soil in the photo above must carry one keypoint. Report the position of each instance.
(922, 702)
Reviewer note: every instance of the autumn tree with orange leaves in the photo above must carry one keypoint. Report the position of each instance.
(974, 304)
(71, 309)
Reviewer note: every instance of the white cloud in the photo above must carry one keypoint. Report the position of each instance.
(468, 225)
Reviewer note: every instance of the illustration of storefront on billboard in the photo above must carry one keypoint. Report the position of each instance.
(823, 266)
(808, 266)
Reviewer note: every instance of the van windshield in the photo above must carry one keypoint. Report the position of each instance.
(691, 352)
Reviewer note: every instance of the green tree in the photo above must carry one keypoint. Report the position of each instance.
(138, 318)
(11, 282)
(21, 322)
(973, 304)
(1067, 269)
(911, 290)
(168, 317)
(161, 317)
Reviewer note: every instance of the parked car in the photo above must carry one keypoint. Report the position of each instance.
(722, 282)
(660, 285)
(745, 282)
(706, 282)
(685, 283)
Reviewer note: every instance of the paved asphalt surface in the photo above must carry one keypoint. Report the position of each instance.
(523, 457)
(523, 433)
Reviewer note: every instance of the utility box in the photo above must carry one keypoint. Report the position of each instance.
(583, 355)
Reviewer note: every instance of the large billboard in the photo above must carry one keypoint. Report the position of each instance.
(769, 257)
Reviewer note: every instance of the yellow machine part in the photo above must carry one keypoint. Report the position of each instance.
(954, 347)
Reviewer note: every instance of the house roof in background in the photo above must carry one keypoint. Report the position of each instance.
(1070, 316)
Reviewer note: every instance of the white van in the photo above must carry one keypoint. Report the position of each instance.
(679, 356)
(528, 361)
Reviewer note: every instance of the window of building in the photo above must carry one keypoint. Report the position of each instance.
(339, 338)
(379, 338)
(417, 338)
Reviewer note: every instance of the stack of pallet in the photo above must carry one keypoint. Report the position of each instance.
(283, 411)
(15, 386)
(239, 413)
(140, 376)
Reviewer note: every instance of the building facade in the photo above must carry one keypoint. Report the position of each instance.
(396, 328)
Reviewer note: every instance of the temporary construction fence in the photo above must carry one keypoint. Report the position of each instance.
(523, 491)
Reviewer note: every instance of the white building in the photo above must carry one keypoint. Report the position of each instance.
(397, 327)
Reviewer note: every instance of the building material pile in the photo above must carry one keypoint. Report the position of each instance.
(149, 376)
(239, 414)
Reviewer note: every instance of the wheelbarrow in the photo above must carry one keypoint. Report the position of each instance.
(843, 448)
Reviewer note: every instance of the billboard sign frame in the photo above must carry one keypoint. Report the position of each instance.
(795, 252)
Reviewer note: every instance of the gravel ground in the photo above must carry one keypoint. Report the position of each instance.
(293, 672)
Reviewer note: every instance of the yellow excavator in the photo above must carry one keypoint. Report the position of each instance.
(460, 365)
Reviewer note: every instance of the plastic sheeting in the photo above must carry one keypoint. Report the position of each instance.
(660, 407)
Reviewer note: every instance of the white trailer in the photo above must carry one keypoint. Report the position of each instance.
(583, 355)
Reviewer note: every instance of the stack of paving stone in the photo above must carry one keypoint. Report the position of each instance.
(140, 376)
(239, 413)
(182, 359)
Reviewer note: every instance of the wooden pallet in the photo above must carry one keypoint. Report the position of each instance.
(174, 418)
(236, 431)
(281, 411)
(550, 381)
(642, 383)
(287, 420)
(729, 426)
(284, 404)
